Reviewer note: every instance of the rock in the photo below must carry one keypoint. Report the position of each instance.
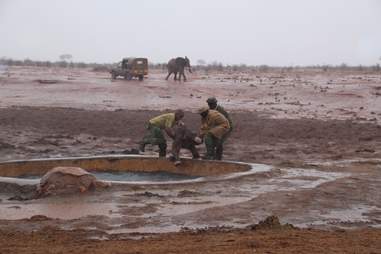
(271, 222)
(39, 218)
(68, 180)
(47, 81)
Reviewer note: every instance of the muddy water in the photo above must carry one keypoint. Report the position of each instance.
(141, 176)
(156, 208)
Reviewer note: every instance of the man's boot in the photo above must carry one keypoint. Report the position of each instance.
(219, 151)
(162, 150)
(142, 146)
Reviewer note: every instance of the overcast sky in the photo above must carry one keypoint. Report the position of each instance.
(273, 32)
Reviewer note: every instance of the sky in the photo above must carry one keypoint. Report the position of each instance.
(253, 32)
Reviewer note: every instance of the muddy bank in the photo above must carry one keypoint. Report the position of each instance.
(30, 132)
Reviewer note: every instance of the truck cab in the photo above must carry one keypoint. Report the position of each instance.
(130, 68)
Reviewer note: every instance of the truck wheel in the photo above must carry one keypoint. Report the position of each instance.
(141, 77)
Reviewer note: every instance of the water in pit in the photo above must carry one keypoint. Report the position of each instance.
(133, 176)
(142, 176)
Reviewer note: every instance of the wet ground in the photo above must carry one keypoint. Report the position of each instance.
(310, 93)
(317, 132)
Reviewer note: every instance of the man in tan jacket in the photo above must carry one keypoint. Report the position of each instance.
(214, 126)
(212, 103)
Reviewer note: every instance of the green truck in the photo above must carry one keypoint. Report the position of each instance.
(130, 68)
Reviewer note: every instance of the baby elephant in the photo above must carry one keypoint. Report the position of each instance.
(184, 138)
(68, 180)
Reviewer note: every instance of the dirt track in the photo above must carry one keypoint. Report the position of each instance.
(324, 143)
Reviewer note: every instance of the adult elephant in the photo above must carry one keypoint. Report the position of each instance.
(177, 65)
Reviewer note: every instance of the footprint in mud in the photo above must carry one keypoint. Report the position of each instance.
(188, 193)
(14, 207)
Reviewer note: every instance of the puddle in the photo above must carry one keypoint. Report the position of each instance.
(346, 218)
(63, 209)
(163, 208)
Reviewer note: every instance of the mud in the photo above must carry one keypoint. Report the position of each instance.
(297, 94)
(319, 132)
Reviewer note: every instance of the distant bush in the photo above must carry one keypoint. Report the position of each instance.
(200, 66)
(101, 68)
(62, 64)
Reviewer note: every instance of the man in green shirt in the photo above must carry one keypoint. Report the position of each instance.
(212, 103)
(155, 127)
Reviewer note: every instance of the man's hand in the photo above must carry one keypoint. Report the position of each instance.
(198, 140)
(180, 123)
(170, 132)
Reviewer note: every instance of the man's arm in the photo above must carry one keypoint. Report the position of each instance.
(170, 132)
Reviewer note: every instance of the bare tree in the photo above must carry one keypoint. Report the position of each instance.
(201, 62)
(66, 57)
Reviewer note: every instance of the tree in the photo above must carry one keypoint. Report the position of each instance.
(66, 57)
(201, 62)
(377, 67)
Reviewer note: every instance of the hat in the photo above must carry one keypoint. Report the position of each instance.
(202, 110)
(211, 100)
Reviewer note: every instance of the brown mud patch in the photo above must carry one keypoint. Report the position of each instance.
(51, 240)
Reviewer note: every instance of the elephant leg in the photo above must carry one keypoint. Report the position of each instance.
(175, 78)
(169, 74)
(182, 74)
(185, 78)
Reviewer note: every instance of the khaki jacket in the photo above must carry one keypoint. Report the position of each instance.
(214, 123)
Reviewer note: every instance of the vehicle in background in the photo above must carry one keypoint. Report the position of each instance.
(130, 68)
